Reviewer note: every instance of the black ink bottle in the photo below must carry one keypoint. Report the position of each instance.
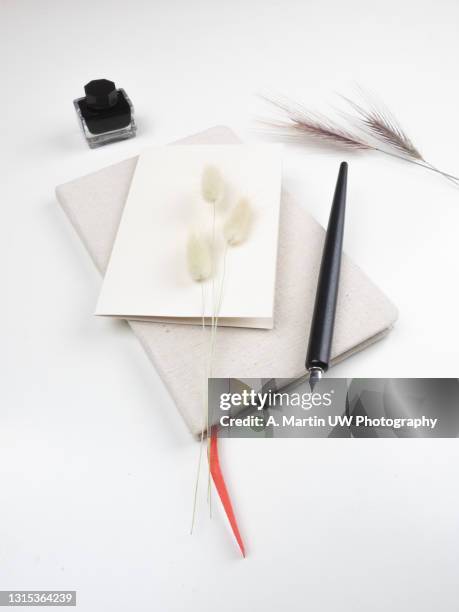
(106, 113)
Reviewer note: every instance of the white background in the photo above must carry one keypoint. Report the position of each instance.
(96, 466)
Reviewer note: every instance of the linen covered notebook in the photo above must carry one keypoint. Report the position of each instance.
(94, 205)
(164, 205)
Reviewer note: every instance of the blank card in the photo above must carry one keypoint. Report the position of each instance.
(147, 276)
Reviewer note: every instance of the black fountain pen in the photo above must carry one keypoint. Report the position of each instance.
(323, 318)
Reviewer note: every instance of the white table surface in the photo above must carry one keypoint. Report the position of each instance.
(96, 467)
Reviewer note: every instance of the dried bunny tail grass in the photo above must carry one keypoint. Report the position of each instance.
(237, 225)
(212, 185)
(199, 258)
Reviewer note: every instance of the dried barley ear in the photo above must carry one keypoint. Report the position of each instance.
(379, 122)
(373, 129)
(302, 122)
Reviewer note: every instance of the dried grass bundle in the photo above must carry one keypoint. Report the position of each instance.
(201, 259)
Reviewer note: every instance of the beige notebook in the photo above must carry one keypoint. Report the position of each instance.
(94, 204)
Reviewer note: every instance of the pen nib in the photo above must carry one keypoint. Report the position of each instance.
(315, 374)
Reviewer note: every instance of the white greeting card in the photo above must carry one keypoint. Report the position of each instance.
(147, 276)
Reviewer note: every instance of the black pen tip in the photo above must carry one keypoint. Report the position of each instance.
(342, 175)
(341, 186)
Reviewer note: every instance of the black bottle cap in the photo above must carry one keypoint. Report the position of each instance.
(101, 94)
